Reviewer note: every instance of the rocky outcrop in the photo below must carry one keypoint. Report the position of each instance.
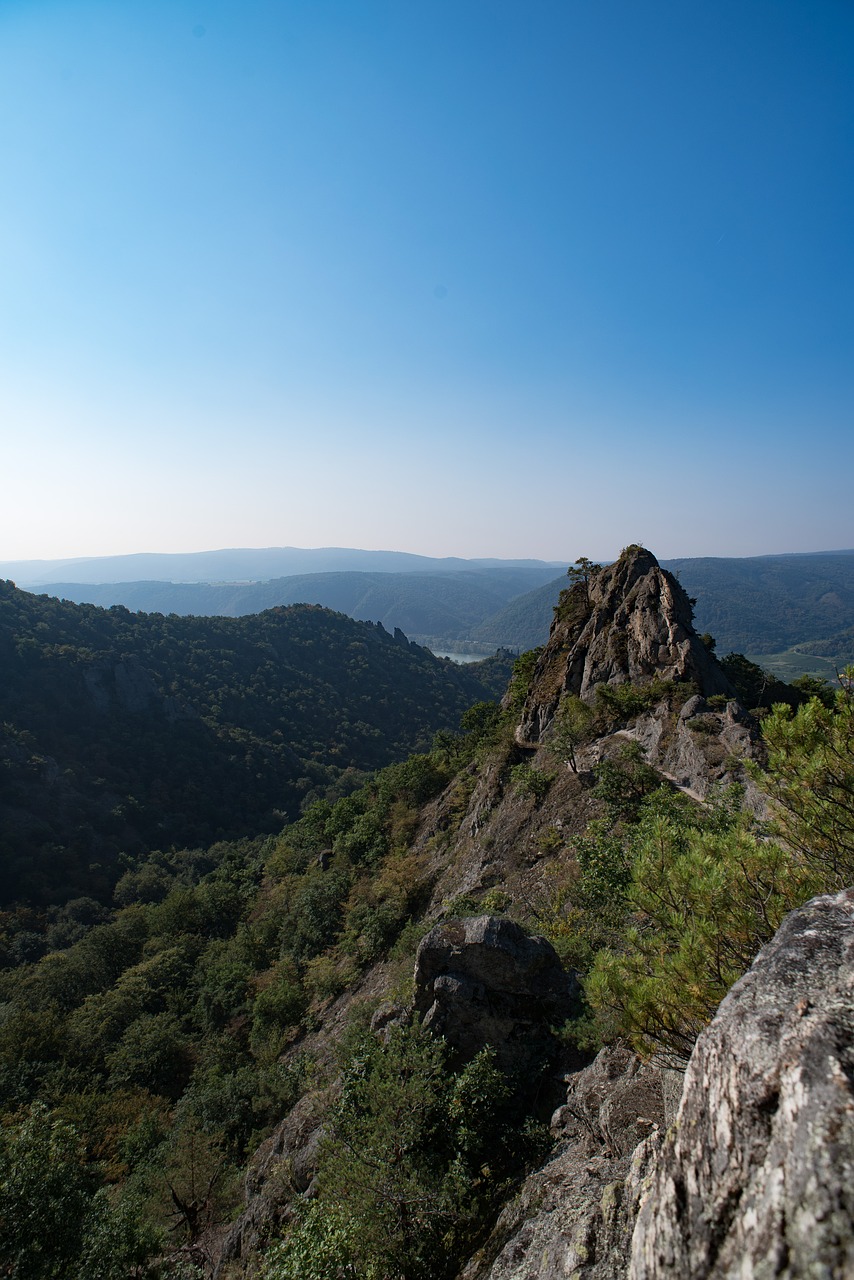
(284, 1165)
(701, 747)
(631, 622)
(574, 1217)
(757, 1177)
(485, 981)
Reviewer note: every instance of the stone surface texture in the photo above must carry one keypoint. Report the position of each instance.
(283, 1166)
(633, 622)
(485, 981)
(756, 1178)
(574, 1216)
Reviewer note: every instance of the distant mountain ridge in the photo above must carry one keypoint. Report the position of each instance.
(447, 603)
(796, 608)
(242, 564)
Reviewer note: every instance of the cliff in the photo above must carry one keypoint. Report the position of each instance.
(754, 1175)
(490, 839)
(630, 622)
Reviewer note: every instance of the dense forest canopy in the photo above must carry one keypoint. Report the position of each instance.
(756, 605)
(123, 732)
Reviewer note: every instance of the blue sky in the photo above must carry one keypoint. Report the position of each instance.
(458, 277)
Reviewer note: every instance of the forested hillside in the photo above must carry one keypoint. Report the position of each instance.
(764, 604)
(244, 1023)
(756, 605)
(125, 732)
(421, 604)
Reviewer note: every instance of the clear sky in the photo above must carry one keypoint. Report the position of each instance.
(459, 277)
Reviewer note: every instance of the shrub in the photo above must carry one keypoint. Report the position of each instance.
(573, 725)
(530, 783)
(811, 781)
(415, 1159)
(624, 782)
(702, 903)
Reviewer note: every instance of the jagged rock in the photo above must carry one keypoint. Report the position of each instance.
(757, 1177)
(484, 981)
(633, 622)
(286, 1163)
(703, 749)
(574, 1216)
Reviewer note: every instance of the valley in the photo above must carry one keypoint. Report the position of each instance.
(466, 981)
(792, 613)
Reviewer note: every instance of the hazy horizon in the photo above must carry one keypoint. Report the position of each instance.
(44, 571)
(456, 280)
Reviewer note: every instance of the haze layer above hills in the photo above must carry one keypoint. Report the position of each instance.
(794, 611)
(241, 564)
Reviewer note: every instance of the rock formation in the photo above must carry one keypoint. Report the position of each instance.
(485, 981)
(756, 1179)
(574, 1216)
(631, 622)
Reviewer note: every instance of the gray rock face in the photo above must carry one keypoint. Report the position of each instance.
(574, 1217)
(283, 1165)
(701, 750)
(756, 1179)
(484, 981)
(634, 623)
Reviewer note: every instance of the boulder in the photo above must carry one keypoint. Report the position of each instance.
(484, 981)
(756, 1178)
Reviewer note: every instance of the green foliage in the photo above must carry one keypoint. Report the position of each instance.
(480, 723)
(617, 703)
(581, 572)
(154, 1054)
(755, 687)
(520, 681)
(122, 732)
(159, 1031)
(585, 907)
(815, 687)
(811, 780)
(55, 1221)
(702, 903)
(624, 781)
(323, 1242)
(530, 783)
(415, 1158)
(573, 725)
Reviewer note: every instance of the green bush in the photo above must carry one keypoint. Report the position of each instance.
(701, 905)
(532, 784)
(811, 781)
(415, 1159)
(56, 1223)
